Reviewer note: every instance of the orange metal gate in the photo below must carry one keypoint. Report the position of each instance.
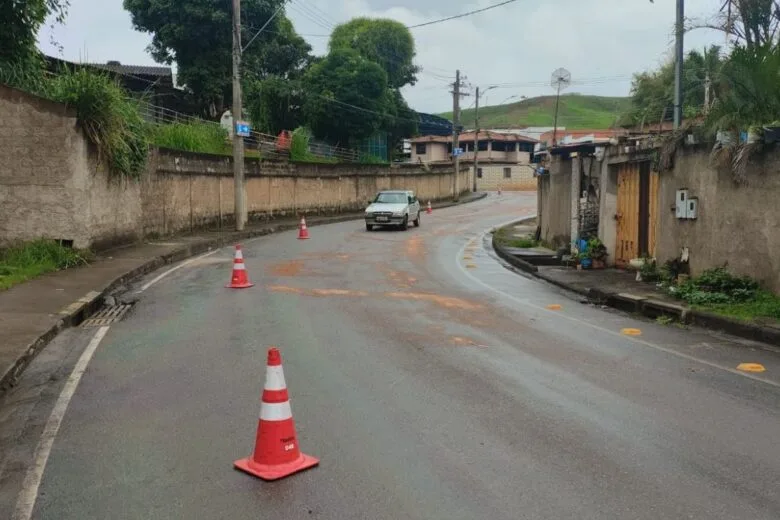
(637, 213)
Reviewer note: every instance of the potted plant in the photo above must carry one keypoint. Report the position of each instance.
(597, 252)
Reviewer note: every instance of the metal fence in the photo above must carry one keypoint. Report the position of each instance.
(266, 145)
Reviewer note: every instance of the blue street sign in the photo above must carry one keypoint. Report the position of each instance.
(457, 152)
(242, 129)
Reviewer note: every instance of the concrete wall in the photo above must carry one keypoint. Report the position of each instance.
(53, 186)
(50, 183)
(184, 191)
(737, 224)
(434, 152)
(554, 203)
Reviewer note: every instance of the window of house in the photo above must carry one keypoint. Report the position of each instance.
(527, 147)
(420, 149)
(449, 148)
(483, 146)
(479, 173)
(507, 173)
(499, 146)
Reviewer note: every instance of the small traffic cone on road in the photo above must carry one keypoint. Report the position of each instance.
(430, 209)
(499, 190)
(276, 452)
(239, 279)
(303, 231)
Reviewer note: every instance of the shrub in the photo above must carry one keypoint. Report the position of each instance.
(191, 137)
(111, 120)
(299, 145)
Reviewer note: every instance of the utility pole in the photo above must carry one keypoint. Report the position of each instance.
(456, 131)
(678, 63)
(476, 141)
(707, 88)
(238, 141)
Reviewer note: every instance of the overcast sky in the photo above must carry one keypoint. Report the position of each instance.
(601, 42)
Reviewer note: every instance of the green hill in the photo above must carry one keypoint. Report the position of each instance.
(576, 111)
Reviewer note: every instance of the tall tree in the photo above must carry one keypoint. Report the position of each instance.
(386, 42)
(197, 36)
(19, 28)
(752, 23)
(652, 92)
(346, 97)
(275, 104)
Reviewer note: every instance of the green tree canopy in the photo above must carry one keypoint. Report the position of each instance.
(197, 36)
(338, 84)
(386, 42)
(275, 104)
(652, 93)
(20, 26)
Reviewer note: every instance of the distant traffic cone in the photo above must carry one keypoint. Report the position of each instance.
(276, 452)
(303, 231)
(499, 190)
(430, 209)
(239, 279)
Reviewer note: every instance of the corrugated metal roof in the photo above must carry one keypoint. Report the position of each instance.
(136, 70)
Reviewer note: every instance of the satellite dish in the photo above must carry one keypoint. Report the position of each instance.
(560, 79)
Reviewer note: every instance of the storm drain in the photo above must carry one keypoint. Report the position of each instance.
(107, 315)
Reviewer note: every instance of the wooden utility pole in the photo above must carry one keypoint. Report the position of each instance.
(455, 131)
(476, 141)
(238, 141)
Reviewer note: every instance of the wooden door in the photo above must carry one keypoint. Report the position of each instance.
(627, 213)
(637, 216)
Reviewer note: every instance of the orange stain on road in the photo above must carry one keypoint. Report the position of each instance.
(285, 289)
(289, 268)
(448, 302)
(337, 292)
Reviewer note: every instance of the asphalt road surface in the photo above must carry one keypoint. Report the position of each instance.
(431, 381)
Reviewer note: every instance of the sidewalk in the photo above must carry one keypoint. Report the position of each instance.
(619, 289)
(32, 313)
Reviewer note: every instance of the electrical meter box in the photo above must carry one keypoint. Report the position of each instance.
(693, 208)
(681, 204)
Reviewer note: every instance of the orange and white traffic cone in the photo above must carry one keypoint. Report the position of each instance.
(239, 279)
(430, 209)
(303, 231)
(276, 454)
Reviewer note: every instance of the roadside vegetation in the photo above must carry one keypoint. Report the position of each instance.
(717, 291)
(504, 237)
(29, 260)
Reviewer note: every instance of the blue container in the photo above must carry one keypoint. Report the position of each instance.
(586, 263)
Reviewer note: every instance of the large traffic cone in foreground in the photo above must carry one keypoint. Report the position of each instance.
(239, 279)
(430, 209)
(276, 452)
(303, 231)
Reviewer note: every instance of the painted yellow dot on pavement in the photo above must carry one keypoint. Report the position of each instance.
(554, 307)
(468, 257)
(631, 332)
(471, 266)
(751, 367)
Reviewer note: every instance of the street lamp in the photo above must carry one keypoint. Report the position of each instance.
(476, 134)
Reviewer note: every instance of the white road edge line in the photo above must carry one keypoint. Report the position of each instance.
(25, 504)
(596, 327)
(172, 269)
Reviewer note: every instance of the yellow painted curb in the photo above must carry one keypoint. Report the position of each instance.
(751, 367)
(631, 332)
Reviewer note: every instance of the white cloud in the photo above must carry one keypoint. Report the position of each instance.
(520, 43)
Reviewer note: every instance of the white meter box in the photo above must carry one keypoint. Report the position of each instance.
(681, 204)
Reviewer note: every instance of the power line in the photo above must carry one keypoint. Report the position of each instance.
(462, 15)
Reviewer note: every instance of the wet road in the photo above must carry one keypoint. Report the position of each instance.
(432, 383)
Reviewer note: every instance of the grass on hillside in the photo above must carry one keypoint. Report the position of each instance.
(504, 237)
(29, 260)
(576, 111)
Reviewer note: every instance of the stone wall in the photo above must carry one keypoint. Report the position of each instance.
(52, 184)
(737, 224)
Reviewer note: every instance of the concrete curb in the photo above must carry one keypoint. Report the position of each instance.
(83, 308)
(649, 307)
